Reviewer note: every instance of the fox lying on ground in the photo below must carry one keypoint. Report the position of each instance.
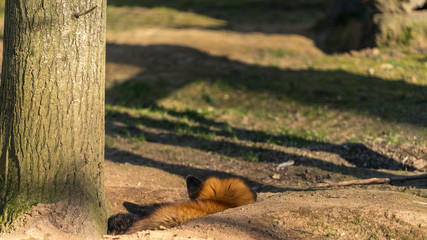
(210, 196)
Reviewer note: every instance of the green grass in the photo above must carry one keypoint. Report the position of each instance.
(278, 53)
(126, 18)
(333, 101)
(130, 14)
(252, 157)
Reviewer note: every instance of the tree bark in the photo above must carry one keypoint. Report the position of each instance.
(52, 106)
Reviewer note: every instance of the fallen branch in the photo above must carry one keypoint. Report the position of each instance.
(372, 181)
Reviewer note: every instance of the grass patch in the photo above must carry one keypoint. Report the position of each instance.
(252, 157)
(127, 18)
(333, 101)
(278, 53)
(129, 14)
(138, 138)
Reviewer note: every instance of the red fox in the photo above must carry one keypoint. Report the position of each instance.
(210, 196)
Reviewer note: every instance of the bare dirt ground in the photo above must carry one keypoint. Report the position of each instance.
(153, 170)
(292, 212)
(283, 210)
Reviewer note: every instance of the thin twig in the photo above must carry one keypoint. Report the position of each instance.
(111, 236)
(77, 15)
(372, 181)
(423, 203)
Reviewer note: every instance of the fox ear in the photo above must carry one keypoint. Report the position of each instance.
(193, 186)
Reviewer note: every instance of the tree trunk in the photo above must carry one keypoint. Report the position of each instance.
(52, 107)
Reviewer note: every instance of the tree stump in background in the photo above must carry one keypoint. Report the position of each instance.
(357, 24)
(395, 6)
(348, 26)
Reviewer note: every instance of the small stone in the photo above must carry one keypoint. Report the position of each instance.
(375, 52)
(275, 176)
(285, 164)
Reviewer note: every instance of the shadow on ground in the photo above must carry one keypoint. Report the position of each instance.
(122, 156)
(333, 25)
(165, 69)
(168, 68)
(355, 153)
(246, 15)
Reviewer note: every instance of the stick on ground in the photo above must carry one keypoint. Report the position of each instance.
(371, 181)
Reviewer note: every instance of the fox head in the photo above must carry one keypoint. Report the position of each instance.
(193, 186)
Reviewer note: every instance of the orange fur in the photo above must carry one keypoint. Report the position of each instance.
(214, 195)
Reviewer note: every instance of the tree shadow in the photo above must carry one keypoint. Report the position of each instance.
(332, 25)
(365, 160)
(167, 68)
(271, 16)
(354, 153)
(122, 156)
(164, 69)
